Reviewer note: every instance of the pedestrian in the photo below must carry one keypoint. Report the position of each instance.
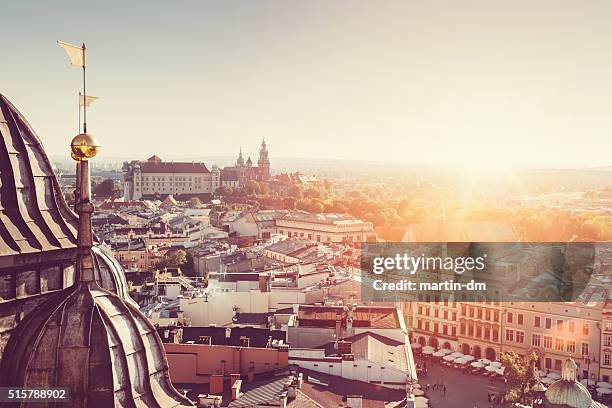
(444, 389)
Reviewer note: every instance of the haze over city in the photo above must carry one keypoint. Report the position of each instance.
(443, 82)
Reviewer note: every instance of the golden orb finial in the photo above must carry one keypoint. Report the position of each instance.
(84, 146)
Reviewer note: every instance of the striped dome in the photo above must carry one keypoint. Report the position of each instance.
(103, 349)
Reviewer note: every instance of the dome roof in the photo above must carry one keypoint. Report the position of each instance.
(109, 274)
(103, 349)
(567, 392)
(34, 216)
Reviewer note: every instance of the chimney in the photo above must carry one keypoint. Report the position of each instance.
(236, 389)
(283, 400)
(353, 401)
(344, 347)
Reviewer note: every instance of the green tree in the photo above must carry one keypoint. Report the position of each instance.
(521, 374)
(194, 202)
(104, 189)
(173, 259)
(295, 191)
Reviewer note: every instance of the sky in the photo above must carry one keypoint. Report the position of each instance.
(482, 83)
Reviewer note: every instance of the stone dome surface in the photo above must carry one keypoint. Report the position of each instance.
(103, 349)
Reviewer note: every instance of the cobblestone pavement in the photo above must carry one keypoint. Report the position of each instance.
(462, 390)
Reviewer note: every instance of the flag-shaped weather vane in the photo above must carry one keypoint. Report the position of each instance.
(76, 55)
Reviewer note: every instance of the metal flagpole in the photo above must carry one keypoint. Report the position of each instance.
(79, 112)
(84, 95)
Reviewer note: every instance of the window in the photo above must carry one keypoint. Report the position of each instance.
(584, 349)
(536, 340)
(536, 321)
(548, 323)
(520, 337)
(572, 327)
(608, 340)
(548, 342)
(519, 318)
(454, 331)
(548, 363)
(509, 335)
(558, 365)
(495, 334)
(559, 325)
(607, 360)
(559, 344)
(585, 329)
(509, 318)
(571, 346)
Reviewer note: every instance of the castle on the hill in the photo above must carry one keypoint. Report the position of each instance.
(154, 177)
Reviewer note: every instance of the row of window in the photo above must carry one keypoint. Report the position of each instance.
(555, 343)
(480, 332)
(425, 311)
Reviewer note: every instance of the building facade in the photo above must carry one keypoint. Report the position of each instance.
(155, 177)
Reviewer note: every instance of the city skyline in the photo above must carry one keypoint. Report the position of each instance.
(439, 83)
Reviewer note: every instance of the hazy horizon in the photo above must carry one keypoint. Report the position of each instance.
(481, 83)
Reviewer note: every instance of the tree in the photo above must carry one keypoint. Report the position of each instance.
(521, 374)
(194, 202)
(224, 191)
(104, 189)
(295, 191)
(173, 259)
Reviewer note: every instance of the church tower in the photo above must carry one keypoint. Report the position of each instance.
(263, 162)
(240, 161)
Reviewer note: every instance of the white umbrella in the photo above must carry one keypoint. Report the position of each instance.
(484, 361)
(584, 381)
(456, 354)
(468, 357)
(500, 370)
(428, 348)
(445, 351)
(438, 354)
(604, 384)
(428, 351)
(547, 380)
(490, 368)
(415, 345)
(477, 364)
(542, 373)
(461, 360)
(604, 390)
(496, 364)
(554, 376)
(448, 357)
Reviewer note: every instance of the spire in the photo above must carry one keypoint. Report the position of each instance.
(84, 146)
(569, 370)
(240, 161)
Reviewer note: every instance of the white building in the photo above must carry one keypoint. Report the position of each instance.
(156, 177)
(335, 228)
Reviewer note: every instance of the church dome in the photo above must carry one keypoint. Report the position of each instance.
(110, 275)
(103, 349)
(564, 393)
(34, 216)
(567, 392)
